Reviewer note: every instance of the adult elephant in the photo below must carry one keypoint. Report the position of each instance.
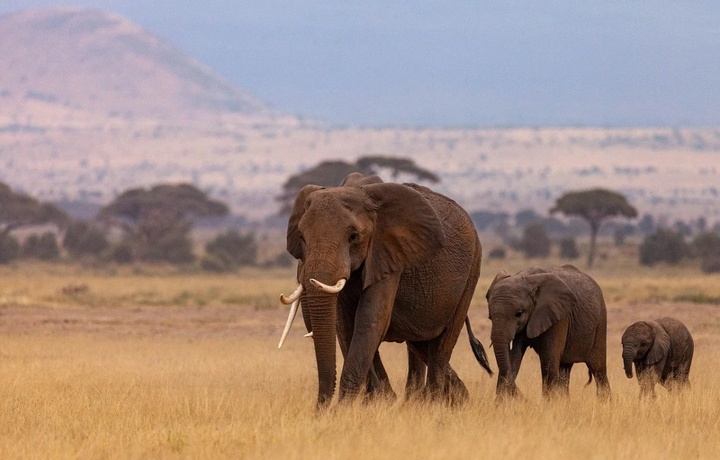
(560, 312)
(383, 262)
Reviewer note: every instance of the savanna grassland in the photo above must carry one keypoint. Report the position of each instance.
(156, 363)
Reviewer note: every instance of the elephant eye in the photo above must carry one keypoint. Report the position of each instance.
(519, 313)
(354, 237)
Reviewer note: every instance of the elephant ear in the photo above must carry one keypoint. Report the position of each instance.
(408, 231)
(502, 274)
(554, 300)
(294, 242)
(661, 344)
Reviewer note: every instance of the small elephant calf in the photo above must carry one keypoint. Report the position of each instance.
(662, 351)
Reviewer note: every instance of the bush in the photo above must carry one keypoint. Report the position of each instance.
(568, 248)
(284, 259)
(235, 249)
(122, 253)
(213, 263)
(9, 249)
(535, 241)
(706, 246)
(710, 264)
(44, 247)
(497, 252)
(30, 246)
(663, 246)
(175, 249)
(84, 239)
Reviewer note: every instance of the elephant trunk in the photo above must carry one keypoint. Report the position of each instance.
(506, 379)
(628, 357)
(322, 309)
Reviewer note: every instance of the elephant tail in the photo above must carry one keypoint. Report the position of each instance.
(478, 349)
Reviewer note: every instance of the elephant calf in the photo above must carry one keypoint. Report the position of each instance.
(662, 351)
(559, 312)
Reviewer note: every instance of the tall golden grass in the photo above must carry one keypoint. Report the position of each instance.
(134, 391)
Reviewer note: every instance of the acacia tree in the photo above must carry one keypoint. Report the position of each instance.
(20, 210)
(331, 173)
(157, 221)
(594, 206)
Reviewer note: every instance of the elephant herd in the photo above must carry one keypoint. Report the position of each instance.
(393, 262)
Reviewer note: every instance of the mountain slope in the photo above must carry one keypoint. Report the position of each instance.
(90, 60)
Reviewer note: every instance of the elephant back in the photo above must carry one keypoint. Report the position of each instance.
(682, 345)
(456, 221)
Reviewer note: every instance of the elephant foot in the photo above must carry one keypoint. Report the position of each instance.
(456, 393)
(508, 392)
(604, 394)
(384, 393)
(556, 392)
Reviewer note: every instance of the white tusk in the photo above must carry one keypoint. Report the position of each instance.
(293, 297)
(291, 318)
(309, 335)
(329, 289)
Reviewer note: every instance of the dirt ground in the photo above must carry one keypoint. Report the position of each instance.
(703, 320)
(145, 321)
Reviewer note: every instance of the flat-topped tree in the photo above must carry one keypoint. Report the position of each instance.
(21, 210)
(157, 221)
(595, 206)
(332, 172)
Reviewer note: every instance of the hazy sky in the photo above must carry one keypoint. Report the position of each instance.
(494, 63)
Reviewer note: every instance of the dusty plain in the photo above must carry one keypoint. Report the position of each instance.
(158, 363)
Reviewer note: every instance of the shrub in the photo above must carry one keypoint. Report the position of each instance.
(9, 249)
(706, 244)
(47, 247)
(30, 246)
(663, 246)
(83, 239)
(284, 259)
(175, 249)
(213, 263)
(568, 248)
(535, 241)
(235, 249)
(122, 253)
(497, 252)
(710, 264)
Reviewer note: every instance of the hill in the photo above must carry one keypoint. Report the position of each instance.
(80, 59)
(91, 104)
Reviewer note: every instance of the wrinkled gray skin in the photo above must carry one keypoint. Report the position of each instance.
(411, 258)
(661, 350)
(561, 314)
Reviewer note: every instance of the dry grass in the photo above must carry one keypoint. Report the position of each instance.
(168, 379)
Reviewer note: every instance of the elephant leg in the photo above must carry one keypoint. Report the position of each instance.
(550, 349)
(564, 382)
(439, 351)
(372, 320)
(647, 379)
(416, 370)
(378, 381)
(454, 390)
(597, 363)
(516, 356)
